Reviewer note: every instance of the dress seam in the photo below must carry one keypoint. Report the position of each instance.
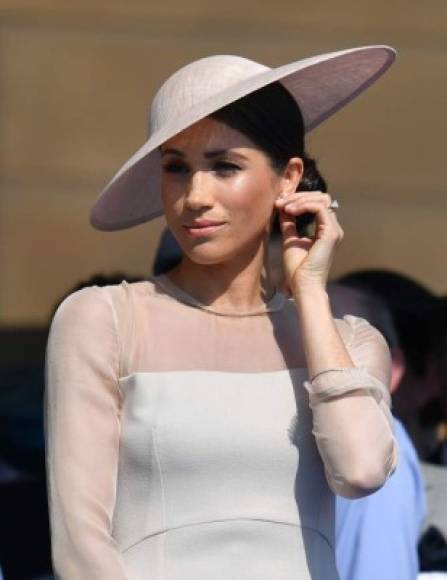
(163, 500)
(108, 299)
(164, 531)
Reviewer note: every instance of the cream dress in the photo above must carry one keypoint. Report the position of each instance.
(183, 444)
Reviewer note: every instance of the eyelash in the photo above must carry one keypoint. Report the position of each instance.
(220, 167)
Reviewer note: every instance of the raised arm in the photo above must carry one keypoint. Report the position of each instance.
(352, 422)
(82, 424)
(351, 417)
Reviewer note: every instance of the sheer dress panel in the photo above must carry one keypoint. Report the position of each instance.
(162, 415)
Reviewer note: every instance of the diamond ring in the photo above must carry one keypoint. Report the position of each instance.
(334, 205)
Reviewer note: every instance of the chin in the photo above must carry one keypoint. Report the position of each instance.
(214, 250)
(207, 253)
(206, 257)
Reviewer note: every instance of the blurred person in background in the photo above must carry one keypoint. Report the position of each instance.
(433, 548)
(420, 321)
(377, 536)
(434, 415)
(24, 529)
(412, 307)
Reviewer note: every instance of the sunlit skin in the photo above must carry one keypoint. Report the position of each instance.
(213, 172)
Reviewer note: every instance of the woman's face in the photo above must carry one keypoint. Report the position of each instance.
(218, 191)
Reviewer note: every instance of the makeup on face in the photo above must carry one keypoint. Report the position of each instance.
(218, 191)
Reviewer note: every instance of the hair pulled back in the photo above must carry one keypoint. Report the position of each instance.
(272, 119)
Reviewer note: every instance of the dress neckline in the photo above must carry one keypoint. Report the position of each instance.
(273, 305)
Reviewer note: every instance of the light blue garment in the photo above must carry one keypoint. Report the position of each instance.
(376, 536)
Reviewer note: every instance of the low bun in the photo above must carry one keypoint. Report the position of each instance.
(312, 180)
(272, 119)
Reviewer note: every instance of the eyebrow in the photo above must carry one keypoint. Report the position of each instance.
(207, 154)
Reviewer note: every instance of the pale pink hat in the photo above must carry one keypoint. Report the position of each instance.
(321, 85)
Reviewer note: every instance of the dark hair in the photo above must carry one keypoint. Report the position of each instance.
(272, 119)
(366, 304)
(439, 329)
(412, 306)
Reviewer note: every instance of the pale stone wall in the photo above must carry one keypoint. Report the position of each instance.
(77, 77)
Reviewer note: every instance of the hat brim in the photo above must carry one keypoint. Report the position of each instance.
(321, 85)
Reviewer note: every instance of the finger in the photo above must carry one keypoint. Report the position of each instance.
(334, 218)
(302, 205)
(323, 217)
(337, 225)
(313, 192)
(284, 197)
(290, 236)
(303, 195)
(287, 224)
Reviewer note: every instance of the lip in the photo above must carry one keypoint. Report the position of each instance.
(202, 227)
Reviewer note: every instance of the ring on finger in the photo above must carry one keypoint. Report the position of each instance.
(333, 205)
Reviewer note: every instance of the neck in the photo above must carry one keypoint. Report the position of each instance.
(241, 283)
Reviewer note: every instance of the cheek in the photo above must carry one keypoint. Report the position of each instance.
(252, 194)
(171, 198)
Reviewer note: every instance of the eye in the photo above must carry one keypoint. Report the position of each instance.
(225, 167)
(175, 167)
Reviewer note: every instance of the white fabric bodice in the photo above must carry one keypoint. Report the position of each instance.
(181, 444)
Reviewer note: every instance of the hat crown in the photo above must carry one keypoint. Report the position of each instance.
(196, 82)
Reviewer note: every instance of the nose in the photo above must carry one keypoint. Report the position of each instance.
(199, 194)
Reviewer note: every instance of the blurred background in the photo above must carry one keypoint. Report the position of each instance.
(76, 83)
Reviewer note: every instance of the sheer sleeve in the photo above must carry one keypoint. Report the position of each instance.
(82, 423)
(352, 421)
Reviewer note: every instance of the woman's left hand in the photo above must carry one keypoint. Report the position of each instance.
(308, 260)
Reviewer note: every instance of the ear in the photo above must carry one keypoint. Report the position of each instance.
(292, 175)
(398, 368)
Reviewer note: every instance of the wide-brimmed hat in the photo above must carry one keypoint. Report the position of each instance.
(321, 85)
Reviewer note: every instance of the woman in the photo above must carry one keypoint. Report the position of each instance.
(198, 423)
